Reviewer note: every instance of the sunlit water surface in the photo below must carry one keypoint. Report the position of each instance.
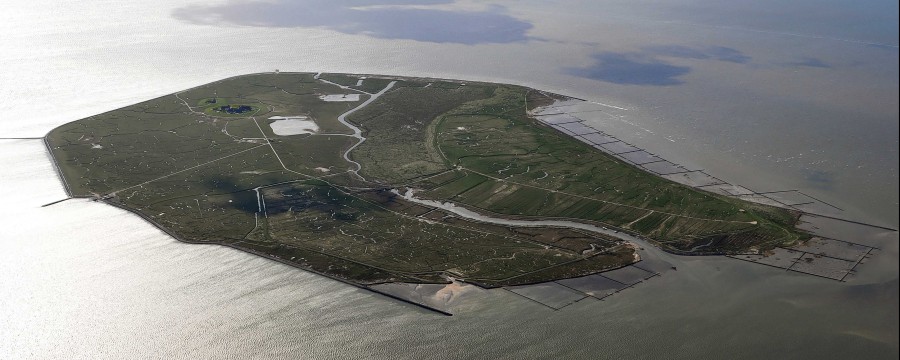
(85, 280)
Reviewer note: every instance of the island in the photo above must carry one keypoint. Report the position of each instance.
(379, 179)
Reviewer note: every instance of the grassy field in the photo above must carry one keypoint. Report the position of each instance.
(530, 169)
(213, 177)
(400, 129)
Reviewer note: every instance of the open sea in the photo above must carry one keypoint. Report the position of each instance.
(771, 95)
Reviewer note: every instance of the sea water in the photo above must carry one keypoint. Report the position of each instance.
(775, 104)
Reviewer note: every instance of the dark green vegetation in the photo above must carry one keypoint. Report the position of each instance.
(214, 176)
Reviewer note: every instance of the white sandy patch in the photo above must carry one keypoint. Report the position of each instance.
(340, 97)
(96, 146)
(453, 291)
(323, 169)
(293, 125)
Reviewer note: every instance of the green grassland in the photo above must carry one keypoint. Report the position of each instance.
(211, 177)
(510, 164)
(400, 129)
(369, 84)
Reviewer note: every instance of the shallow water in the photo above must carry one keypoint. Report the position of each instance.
(815, 110)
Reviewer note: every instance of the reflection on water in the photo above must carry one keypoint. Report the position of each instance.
(631, 69)
(382, 19)
(84, 280)
(720, 53)
(810, 62)
(87, 280)
(648, 67)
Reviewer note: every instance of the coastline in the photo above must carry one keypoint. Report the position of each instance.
(361, 286)
(274, 258)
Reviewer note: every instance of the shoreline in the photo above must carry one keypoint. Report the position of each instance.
(864, 213)
(367, 287)
(273, 258)
(535, 113)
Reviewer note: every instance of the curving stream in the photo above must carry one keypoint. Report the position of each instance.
(646, 247)
(357, 133)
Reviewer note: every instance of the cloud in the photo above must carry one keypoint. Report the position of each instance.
(631, 69)
(412, 20)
